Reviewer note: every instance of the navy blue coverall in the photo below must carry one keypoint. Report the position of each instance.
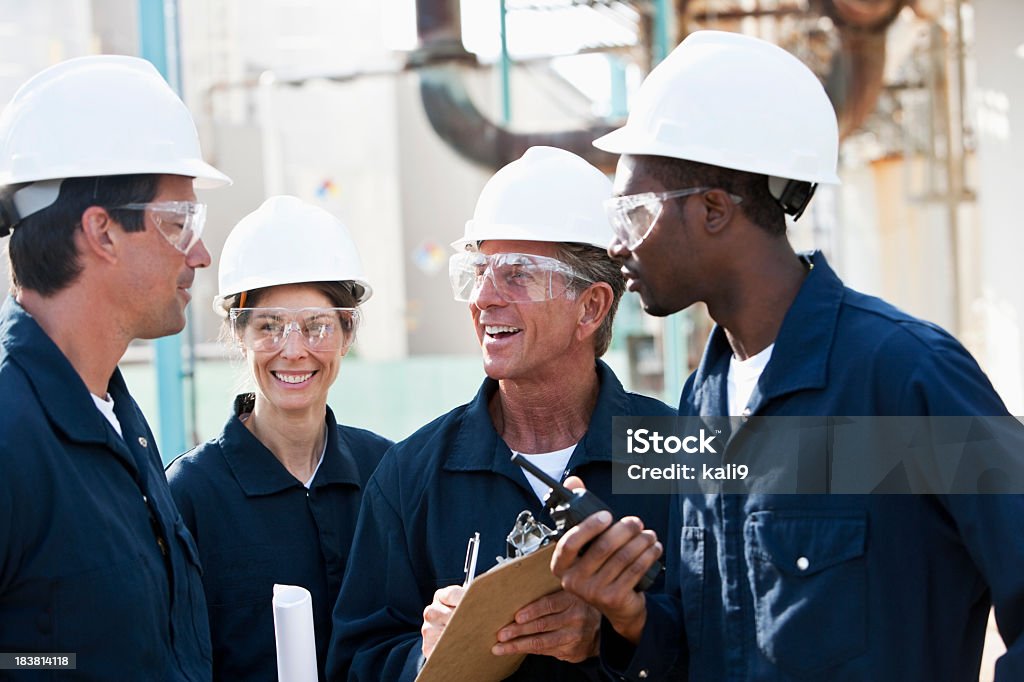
(256, 525)
(94, 557)
(432, 491)
(841, 587)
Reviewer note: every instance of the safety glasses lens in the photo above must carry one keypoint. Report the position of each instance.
(181, 223)
(633, 217)
(320, 329)
(517, 277)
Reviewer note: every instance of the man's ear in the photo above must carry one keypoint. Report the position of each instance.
(594, 303)
(98, 233)
(719, 209)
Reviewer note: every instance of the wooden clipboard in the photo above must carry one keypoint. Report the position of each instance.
(464, 650)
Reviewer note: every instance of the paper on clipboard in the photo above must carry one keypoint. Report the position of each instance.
(464, 650)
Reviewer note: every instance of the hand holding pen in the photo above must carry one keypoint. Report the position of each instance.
(440, 610)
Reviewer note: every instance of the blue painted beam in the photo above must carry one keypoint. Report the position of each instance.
(153, 46)
(506, 68)
(675, 329)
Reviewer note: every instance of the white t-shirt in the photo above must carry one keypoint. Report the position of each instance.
(106, 408)
(743, 376)
(552, 464)
(310, 481)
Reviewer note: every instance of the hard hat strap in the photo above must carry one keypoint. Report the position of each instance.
(30, 199)
(792, 195)
(35, 197)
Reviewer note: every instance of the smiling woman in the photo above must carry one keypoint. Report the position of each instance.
(293, 371)
(274, 498)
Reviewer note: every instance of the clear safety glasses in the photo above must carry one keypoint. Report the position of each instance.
(321, 329)
(180, 222)
(634, 216)
(517, 277)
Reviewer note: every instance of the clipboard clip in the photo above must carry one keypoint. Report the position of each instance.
(527, 536)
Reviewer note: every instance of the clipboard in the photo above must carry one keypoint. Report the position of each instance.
(463, 651)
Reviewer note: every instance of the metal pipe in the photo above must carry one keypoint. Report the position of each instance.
(462, 126)
(856, 76)
(439, 32)
(439, 58)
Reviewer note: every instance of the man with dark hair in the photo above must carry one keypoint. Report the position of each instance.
(98, 158)
(46, 260)
(727, 135)
(541, 290)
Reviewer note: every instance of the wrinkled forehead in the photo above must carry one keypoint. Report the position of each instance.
(494, 246)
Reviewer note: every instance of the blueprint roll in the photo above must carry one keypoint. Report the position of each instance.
(293, 629)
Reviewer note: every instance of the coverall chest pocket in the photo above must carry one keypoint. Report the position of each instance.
(123, 593)
(808, 576)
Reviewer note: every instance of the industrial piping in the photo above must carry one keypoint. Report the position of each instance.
(854, 82)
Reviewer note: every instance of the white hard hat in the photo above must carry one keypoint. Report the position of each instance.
(288, 241)
(733, 101)
(97, 116)
(549, 195)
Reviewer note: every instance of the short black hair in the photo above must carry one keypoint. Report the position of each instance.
(42, 249)
(758, 204)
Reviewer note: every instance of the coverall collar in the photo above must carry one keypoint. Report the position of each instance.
(802, 348)
(478, 447)
(259, 472)
(68, 403)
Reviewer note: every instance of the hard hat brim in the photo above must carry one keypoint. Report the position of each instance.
(506, 232)
(208, 177)
(362, 291)
(205, 176)
(626, 141)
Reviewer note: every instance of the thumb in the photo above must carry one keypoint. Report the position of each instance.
(574, 483)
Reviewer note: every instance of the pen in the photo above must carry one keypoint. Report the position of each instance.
(472, 551)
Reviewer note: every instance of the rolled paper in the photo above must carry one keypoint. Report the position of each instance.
(293, 630)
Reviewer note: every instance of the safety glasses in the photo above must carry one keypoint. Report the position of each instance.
(180, 222)
(634, 216)
(266, 330)
(517, 277)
